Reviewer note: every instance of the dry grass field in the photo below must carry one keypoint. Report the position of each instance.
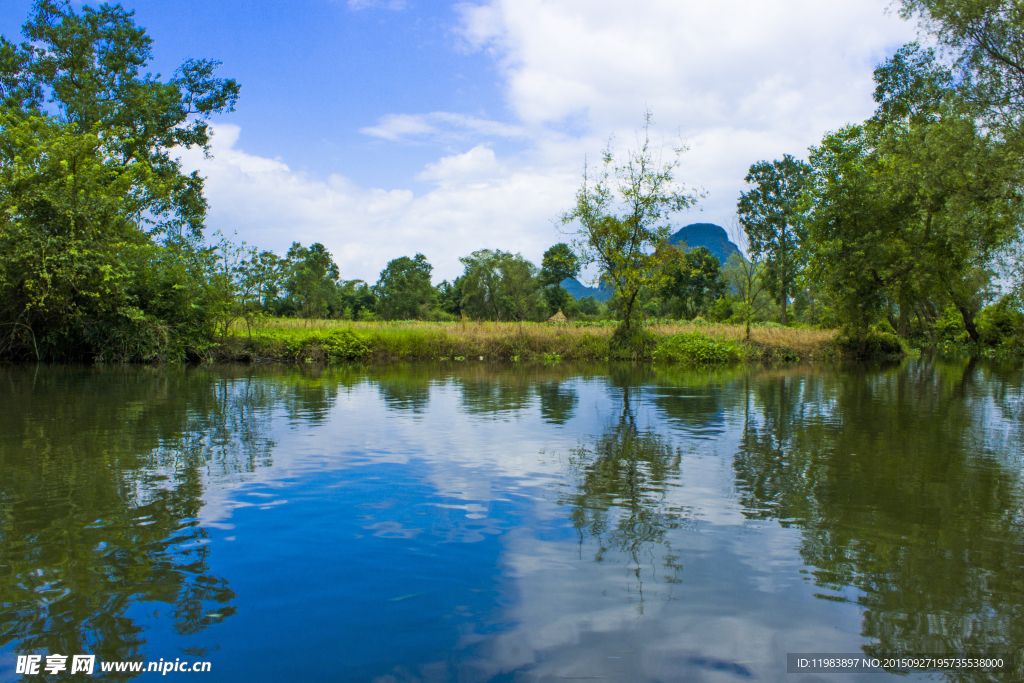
(325, 340)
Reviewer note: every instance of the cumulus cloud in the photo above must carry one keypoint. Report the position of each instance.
(477, 204)
(395, 5)
(439, 124)
(737, 81)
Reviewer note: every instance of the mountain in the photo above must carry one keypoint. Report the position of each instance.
(580, 290)
(707, 235)
(695, 235)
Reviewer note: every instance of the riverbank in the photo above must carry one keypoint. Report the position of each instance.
(683, 343)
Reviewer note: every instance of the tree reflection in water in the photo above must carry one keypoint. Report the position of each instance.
(893, 480)
(621, 495)
(102, 474)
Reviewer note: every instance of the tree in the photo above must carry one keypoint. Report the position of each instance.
(770, 215)
(559, 264)
(498, 285)
(907, 211)
(312, 278)
(622, 212)
(745, 279)
(404, 290)
(695, 280)
(100, 253)
(87, 67)
(356, 300)
(449, 296)
(986, 38)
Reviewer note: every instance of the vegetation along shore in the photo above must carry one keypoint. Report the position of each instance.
(686, 343)
(898, 233)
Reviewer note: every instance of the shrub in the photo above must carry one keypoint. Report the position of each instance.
(950, 327)
(1000, 324)
(697, 349)
(635, 344)
(589, 347)
(876, 344)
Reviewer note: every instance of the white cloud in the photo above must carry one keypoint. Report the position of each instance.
(477, 204)
(475, 165)
(395, 5)
(738, 81)
(438, 124)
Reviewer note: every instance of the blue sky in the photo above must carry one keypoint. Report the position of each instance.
(386, 127)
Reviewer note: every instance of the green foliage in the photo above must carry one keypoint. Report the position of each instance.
(984, 37)
(873, 345)
(560, 263)
(745, 280)
(404, 291)
(769, 213)
(695, 280)
(95, 261)
(629, 246)
(355, 301)
(346, 345)
(590, 347)
(1002, 324)
(312, 279)
(449, 296)
(588, 305)
(498, 285)
(632, 343)
(950, 327)
(906, 211)
(694, 348)
(87, 67)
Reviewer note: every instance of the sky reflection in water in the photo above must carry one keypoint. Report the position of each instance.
(510, 523)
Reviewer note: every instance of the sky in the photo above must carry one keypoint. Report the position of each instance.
(386, 128)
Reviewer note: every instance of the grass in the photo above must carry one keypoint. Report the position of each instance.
(685, 343)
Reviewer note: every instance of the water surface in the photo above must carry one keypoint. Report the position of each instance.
(470, 522)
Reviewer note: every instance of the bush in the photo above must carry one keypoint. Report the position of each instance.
(697, 349)
(346, 345)
(636, 344)
(876, 344)
(1000, 324)
(589, 347)
(950, 327)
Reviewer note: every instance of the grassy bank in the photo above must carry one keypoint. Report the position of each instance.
(680, 343)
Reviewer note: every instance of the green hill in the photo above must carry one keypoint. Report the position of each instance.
(708, 235)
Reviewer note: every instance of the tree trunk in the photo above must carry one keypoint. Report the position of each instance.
(968, 316)
(627, 324)
(785, 292)
(903, 325)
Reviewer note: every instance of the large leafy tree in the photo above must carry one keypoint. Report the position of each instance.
(912, 206)
(695, 281)
(622, 212)
(99, 227)
(986, 41)
(559, 264)
(404, 290)
(498, 285)
(312, 280)
(769, 213)
(83, 71)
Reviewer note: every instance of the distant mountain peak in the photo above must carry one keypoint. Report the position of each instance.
(708, 235)
(712, 237)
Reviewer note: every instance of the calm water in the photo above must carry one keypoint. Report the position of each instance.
(483, 523)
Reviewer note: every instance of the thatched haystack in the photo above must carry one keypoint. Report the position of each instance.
(558, 317)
